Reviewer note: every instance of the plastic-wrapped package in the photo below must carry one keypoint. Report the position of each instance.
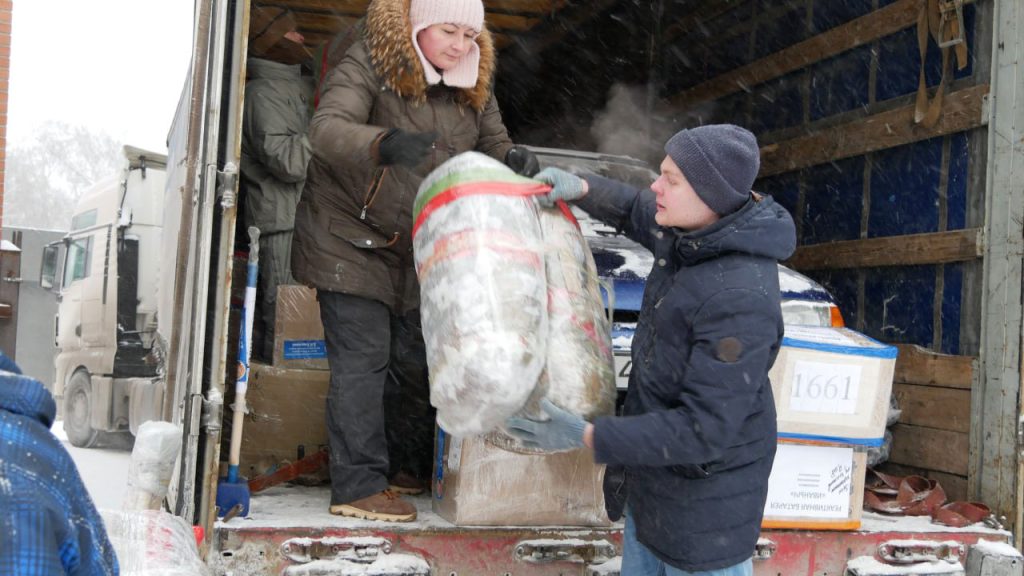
(480, 262)
(579, 373)
(156, 448)
(153, 543)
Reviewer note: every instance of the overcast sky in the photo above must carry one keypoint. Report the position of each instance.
(111, 65)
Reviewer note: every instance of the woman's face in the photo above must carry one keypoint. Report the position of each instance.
(444, 45)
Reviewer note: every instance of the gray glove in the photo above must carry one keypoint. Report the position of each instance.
(563, 432)
(564, 186)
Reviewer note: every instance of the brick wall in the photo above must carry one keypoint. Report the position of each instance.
(6, 9)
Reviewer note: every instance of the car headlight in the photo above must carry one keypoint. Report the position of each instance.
(809, 313)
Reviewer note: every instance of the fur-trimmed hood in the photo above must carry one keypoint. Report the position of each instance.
(388, 36)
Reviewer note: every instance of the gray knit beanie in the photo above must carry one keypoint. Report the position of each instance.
(720, 161)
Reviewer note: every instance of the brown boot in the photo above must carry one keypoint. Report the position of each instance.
(405, 483)
(385, 505)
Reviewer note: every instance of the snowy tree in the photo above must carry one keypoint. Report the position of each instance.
(45, 177)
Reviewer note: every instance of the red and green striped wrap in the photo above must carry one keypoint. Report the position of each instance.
(479, 255)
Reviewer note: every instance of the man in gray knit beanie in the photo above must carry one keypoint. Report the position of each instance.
(713, 166)
(689, 458)
(720, 162)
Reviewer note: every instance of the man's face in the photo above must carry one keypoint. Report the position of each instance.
(678, 204)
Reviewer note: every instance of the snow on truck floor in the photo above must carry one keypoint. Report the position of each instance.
(306, 507)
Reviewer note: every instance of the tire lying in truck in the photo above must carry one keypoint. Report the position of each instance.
(500, 280)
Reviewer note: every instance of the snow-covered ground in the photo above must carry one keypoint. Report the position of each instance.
(104, 470)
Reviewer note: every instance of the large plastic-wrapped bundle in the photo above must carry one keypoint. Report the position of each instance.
(156, 448)
(480, 262)
(153, 543)
(579, 374)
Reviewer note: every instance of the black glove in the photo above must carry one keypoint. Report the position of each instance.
(522, 161)
(405, 148)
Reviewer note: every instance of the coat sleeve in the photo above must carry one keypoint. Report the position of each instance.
(277, 136)
(493, 139)
(630, 210)
(734, 336)
(339, 132)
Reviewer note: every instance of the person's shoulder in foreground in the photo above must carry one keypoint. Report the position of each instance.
(48, 523)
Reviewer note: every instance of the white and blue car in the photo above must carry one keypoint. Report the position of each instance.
(623, 265)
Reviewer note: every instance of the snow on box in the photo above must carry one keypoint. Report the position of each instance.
(832, 385)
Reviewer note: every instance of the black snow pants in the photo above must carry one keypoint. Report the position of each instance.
(378, 396)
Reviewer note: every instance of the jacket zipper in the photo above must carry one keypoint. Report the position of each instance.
(373, 190)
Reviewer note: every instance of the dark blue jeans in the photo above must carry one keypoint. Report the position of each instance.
(373, 355)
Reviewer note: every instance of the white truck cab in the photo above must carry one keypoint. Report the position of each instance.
(105, 325)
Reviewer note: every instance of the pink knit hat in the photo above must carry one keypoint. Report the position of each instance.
(426, 13)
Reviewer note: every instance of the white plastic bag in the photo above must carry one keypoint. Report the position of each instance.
(579, 374)
(480, 261)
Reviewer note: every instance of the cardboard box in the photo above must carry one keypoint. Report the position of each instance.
(478, 484)
(298, 330)
(833, 385)
(816, 487)
(287, 409)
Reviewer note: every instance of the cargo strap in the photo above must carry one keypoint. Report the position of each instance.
(919, 496)
(943, 20)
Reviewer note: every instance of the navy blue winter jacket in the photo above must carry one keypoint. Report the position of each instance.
(698, 434)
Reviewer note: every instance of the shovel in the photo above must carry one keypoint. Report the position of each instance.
(233, 490)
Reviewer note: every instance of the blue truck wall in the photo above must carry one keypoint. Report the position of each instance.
(917, 188)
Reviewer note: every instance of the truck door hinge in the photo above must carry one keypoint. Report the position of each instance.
(227, 180)
(570, 550)
(196, 413)
(869, 566)
(361, 550)
(764, 549)
(913, 551)
(1020, 437)
(213, 412)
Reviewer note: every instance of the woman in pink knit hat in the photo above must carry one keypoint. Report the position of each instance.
(413, 90)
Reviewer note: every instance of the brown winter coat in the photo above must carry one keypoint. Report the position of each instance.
(351, 236)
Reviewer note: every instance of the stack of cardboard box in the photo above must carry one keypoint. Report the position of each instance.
(478, 484)
(832, 388)
(298, 331)
(287, 398)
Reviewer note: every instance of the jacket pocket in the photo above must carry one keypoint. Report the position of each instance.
(615, 491)
(359, 237)
(694, 471)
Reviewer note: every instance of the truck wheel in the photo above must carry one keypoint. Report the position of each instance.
(78, 411)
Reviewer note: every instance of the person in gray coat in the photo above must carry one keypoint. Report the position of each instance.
(275, 152)
(689, 459)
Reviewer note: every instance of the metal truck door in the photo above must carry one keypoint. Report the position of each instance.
(198, 229)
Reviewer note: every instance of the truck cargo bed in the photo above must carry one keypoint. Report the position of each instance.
(289, 531)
